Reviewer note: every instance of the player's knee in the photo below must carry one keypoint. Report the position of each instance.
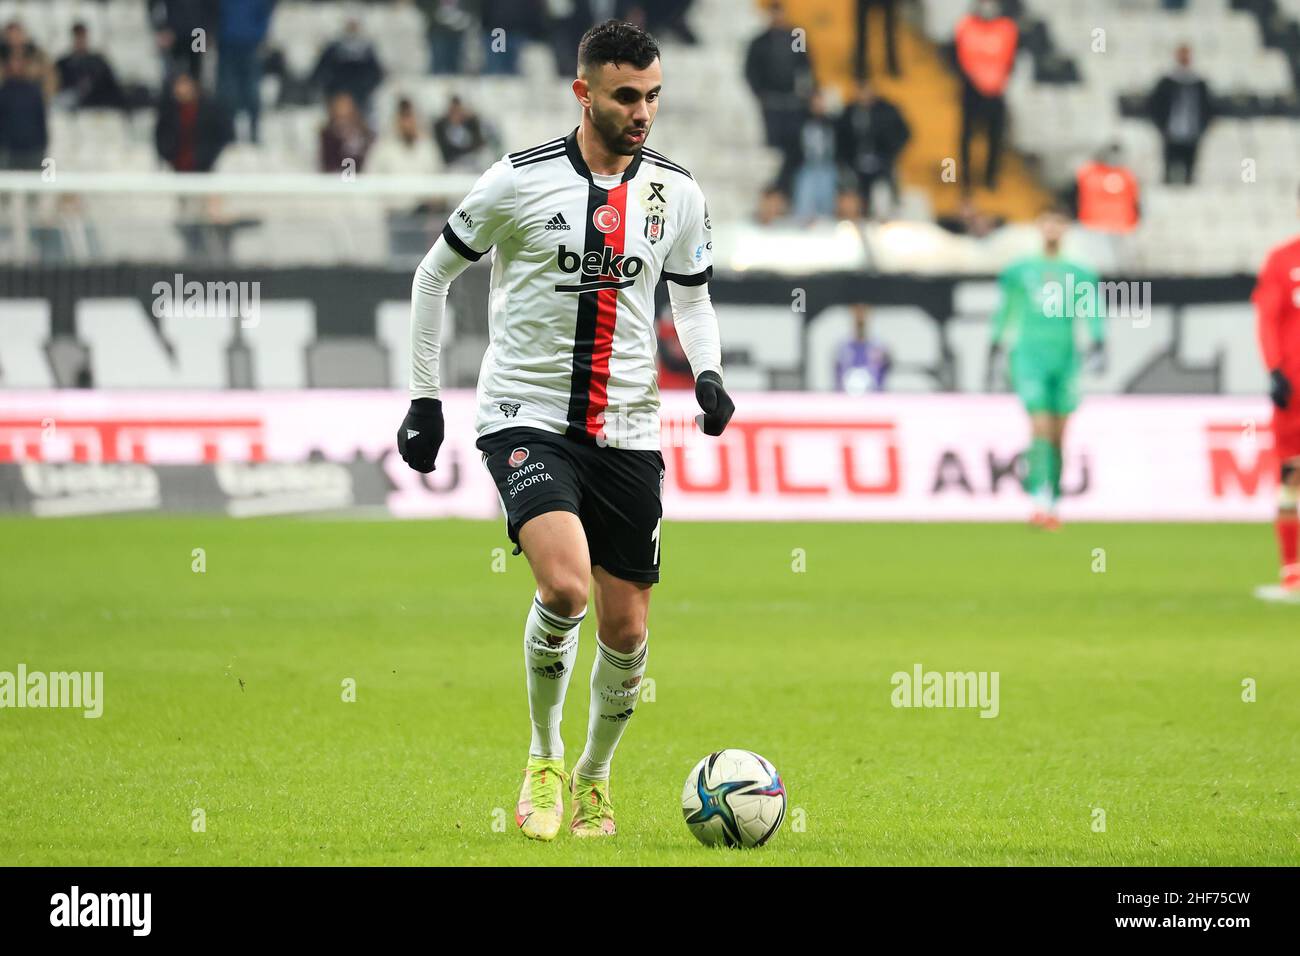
(564, 592)
(1291, 473)
(623, 632)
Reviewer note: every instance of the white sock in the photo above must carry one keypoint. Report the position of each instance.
(615, 689)
(550, 650)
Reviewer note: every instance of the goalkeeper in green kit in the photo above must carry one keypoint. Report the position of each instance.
(1041, 298)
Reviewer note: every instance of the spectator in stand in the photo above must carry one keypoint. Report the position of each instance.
(243, 28)
(449, 23)
(773, 206)
(662, 17)
(345, 136)
(870, 135)
(407, 151)
(460, 136)
(781, 78)
(809, 169)
(1105, 196)
(349, 65)
(192, 129)
(85, 78)
(174, 24)
(507, 25)
(23, 132)
(861, 363)
(36, 64)
(986, 54)
(566, 22)
(862, 55)
(970, 221)
(1181, 108)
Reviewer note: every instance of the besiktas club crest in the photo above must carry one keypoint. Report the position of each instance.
(654, 228)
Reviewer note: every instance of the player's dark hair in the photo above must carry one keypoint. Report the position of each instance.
(616, 41)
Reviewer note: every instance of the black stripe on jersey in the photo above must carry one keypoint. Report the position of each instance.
(525, 153)
(538, 159)
(672, 166)
(584, 330)
(659, 159)
(457, 243)
(698, 279)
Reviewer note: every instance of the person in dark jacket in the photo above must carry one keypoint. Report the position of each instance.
(349, 65)
(780, 73)
(192, 129)
(1181, 108)
(344, 137)
(23, 132)
(244, 24)
(85, 77)
(459, 135)
(869, 136)
(174, 23)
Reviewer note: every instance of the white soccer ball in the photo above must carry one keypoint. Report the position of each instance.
(733, 798)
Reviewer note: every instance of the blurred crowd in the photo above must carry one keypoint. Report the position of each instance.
(844, 164)
(216, 54)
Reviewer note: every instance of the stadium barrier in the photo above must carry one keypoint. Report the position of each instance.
(785, 456)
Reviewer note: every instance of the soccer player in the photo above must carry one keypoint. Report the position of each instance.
(580, 229)
(1277, 304)
(1041, 297)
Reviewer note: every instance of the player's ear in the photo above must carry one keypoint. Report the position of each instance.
(582, 91)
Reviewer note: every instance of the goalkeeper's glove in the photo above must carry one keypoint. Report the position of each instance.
(420, 436)
(715, 402)
(993, 371)
(1279, 388)
(1096, 360)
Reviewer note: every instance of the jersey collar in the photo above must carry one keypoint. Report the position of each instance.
(580, 164)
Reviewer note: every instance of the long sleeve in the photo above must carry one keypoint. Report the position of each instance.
(1269, 298)
(697, 326)
(433, 277)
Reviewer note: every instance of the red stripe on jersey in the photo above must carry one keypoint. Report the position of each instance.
(606, 317)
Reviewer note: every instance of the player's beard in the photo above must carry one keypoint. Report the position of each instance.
(610, 127)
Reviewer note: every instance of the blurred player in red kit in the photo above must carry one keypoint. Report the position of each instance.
(1277, 303)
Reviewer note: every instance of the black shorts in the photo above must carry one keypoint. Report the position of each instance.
(617, 494)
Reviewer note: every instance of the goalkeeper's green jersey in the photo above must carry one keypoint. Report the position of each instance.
(1041, 298)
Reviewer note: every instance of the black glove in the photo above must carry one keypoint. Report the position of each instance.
(420, 436)
(716, 403)
(993, 369)
(1279, 388)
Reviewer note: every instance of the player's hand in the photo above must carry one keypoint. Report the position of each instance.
(716, 403)
(1095, 363)
(1279, 388)
(993, 370)
(420, 436)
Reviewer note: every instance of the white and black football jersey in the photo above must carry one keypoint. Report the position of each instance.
(575, 261)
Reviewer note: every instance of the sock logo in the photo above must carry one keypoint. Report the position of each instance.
(625, 715)
(552, 671)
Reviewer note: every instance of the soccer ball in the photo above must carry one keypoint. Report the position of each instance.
(735, 798)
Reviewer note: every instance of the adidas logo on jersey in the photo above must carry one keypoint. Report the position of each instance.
(557, 222)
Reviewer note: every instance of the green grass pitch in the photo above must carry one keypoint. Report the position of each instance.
(1120, 691)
